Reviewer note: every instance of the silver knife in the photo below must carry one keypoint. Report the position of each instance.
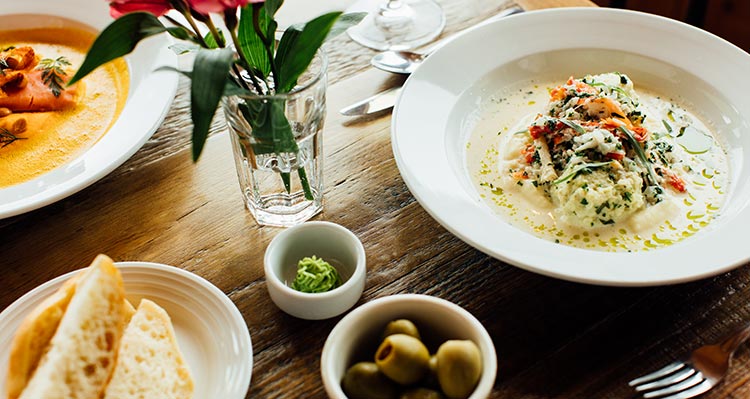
(379, 102)
(387, 99)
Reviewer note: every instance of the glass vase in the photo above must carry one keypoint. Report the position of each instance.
(278, 150)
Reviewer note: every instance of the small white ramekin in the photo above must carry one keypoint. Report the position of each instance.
(357, 334)
(325, 240)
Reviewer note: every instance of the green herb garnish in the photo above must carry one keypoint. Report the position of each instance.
(53, 73)
(578, 169)
(314, 275)
(670, 115)
(667, 126)
(619, 90)
(641, 155)
(7, 137)
(578, 128)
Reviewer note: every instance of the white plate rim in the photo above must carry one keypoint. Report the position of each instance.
(536, 262)
(241, 386)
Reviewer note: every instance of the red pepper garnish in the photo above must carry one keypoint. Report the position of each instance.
(675, 181)
(538, 131)
(528, 153)
(640, 133)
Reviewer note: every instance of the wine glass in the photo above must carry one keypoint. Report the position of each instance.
(397, 25)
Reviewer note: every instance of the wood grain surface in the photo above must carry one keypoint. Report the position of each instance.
(554, 339)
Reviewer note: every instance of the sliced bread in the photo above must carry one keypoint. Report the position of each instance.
(149, 362)
(82, 353)
(33, 336)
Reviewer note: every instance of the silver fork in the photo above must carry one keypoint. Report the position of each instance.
(695, 374)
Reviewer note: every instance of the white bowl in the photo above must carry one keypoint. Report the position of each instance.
(328, 241)
(433, 118)
(152, 89)
(356, 337)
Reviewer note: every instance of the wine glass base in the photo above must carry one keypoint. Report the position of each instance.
(415, 23)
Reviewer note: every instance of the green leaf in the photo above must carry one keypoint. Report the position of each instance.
(233, 89)
(271, 128)
(305, 183)
(250, 43)
(179, 32)
(271, 6)
(288, 39)
(211, 40)
(303, 49)
(273, 134)
(345, 22)
(117, 40)
(209, 79)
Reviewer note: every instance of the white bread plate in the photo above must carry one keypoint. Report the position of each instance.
(210, 330)
(149, 99)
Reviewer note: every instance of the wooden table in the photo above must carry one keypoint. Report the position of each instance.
(554, 339)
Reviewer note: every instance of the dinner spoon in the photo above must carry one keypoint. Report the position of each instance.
(406, 62)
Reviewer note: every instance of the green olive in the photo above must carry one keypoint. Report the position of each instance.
(421, 393)
(402, 358)
(401, 326)
(431, 380)
(365, 381)
(459, 366)
(433, 365)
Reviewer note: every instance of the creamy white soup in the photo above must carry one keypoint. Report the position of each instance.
(594, 163)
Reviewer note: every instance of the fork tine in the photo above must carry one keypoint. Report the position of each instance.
(696, 379)
(703, 387)
(664, 371)
(670, 379)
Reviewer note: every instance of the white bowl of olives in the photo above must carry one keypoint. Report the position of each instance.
(409, 347)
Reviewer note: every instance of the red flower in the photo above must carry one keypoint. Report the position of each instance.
(118, 8)
(218, 6)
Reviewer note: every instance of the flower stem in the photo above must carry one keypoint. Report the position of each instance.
(220, 41)
(215, 33)
(197, 31)
(177, 23)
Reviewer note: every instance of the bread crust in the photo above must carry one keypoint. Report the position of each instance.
(81, 355)
(148, 344)
(33, 337)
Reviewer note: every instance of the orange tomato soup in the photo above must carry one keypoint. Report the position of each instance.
(52, 139)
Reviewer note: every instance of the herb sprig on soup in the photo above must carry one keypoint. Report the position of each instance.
(601, 166)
